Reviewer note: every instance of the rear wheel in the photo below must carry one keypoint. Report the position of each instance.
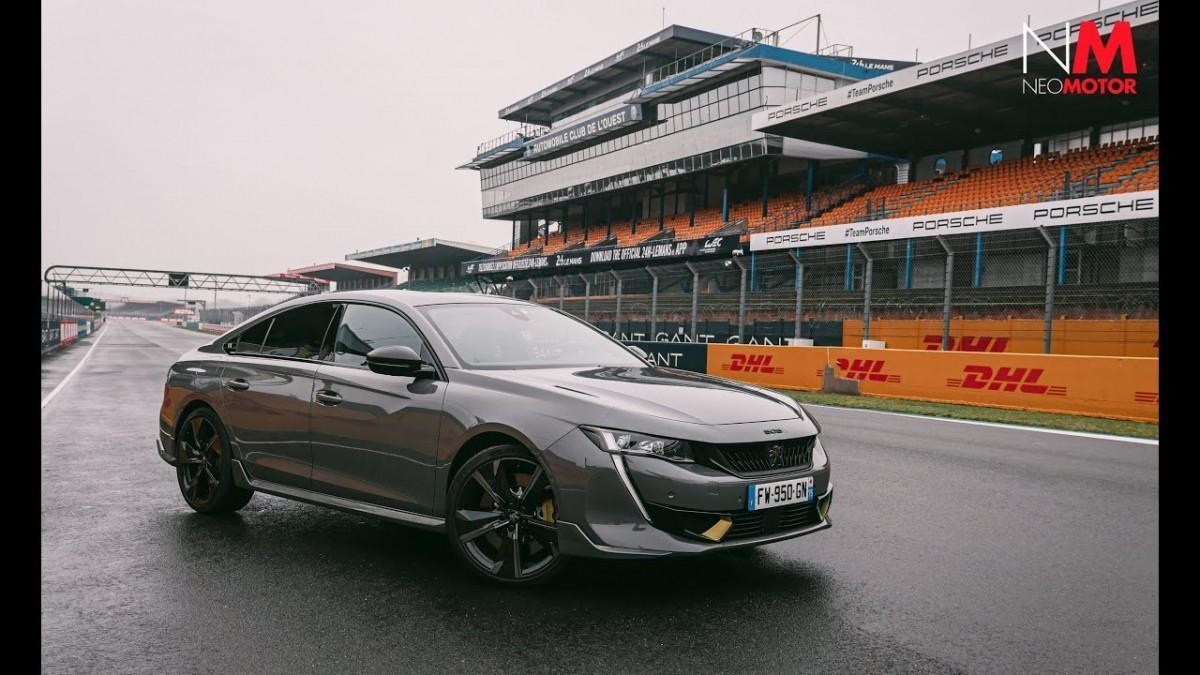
(206, 474)
(501, 517)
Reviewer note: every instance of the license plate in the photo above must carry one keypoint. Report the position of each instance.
(780, 493)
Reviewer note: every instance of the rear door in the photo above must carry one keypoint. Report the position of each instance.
(374, 436)
(267, 389)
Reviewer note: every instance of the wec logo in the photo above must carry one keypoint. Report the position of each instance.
(1006, 379)
(865, 369)
(1089, 44)
(751, 363)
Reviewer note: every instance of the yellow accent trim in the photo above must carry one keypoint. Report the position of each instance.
(719, 529)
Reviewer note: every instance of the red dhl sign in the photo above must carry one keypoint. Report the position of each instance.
(865, 369)
(968, 343)
(1006, 379)
(751, 363)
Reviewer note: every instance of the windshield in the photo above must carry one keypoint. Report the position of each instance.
(523, 336)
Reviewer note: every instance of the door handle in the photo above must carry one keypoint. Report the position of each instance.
(237, 384)
(328, 397)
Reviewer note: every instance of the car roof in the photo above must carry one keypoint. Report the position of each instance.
(406, 299)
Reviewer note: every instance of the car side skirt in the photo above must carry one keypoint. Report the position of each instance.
(340, 503)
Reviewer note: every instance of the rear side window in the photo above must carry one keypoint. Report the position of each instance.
(297, 333)
(365, 327)
(251, 340)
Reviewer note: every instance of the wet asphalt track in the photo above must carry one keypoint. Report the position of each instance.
(955, 548)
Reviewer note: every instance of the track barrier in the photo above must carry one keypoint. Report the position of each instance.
(1096, 386)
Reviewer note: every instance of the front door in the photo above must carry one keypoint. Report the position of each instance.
(374, 436)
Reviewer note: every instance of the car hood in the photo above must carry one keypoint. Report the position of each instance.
(660, 392)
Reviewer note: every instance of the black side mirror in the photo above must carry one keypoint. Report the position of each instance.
(396, 360)
(229, 345)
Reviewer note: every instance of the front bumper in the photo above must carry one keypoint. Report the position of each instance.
(620, 506)
(166, 446)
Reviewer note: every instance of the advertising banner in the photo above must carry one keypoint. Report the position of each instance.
(607, 256)
(1098, 209)
(1091, 337)
(1101, 386)
(584, 131)
(782, 367)
(682, 355)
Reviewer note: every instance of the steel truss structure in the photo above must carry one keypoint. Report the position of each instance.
(61, 275)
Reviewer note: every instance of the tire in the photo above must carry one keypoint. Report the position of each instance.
(504, 533)
(206, 482)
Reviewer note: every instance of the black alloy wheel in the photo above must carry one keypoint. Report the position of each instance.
(206, 475)
(502, 517)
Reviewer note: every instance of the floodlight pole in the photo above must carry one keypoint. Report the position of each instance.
(653, 302)
(946, 301)
(795, 254)
(617, 315)
(695, 295)
(1051, 258)
(741, 298)
(587, 298)
(866, 334)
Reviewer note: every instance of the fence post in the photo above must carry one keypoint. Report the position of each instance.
(867, 292)
(653, 302)
(795, 255)
(946, 302)
(1051, 259)
(617, 314)
(695, 296)
(741, 298)
(587, 298)
(533, 296)
(562, 291)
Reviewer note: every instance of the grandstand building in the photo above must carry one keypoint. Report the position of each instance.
(704, 187)
(432, 264)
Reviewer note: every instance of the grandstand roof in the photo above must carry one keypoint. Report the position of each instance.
(970, 98)
(667, 45)
(423, 252)
(340, 271)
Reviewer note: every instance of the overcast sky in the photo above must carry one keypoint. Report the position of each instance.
(260, 135)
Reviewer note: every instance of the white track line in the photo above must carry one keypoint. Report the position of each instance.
(1015, 427)
(52, 394)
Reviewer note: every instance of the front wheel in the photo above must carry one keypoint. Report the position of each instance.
(206, 475)
(501, 517)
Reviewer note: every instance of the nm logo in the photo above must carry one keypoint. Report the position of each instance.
(865, 369)
(751, 363)
(1005, 378)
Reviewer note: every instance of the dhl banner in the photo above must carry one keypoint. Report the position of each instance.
(1112, 337)
(783, 367)
(1117, 387)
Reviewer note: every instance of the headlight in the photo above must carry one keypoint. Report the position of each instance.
(628, 442)
(819, 458)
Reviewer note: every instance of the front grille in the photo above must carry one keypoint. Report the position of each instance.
(757, 523)
(749, 459)
(746, 524)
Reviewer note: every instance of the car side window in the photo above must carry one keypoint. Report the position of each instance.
(365, 327)
(251, 340)
(297, 333)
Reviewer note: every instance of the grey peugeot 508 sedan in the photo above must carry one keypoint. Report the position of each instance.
(523, 433)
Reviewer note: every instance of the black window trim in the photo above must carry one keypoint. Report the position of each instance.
(237, 337)
(437, 362)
